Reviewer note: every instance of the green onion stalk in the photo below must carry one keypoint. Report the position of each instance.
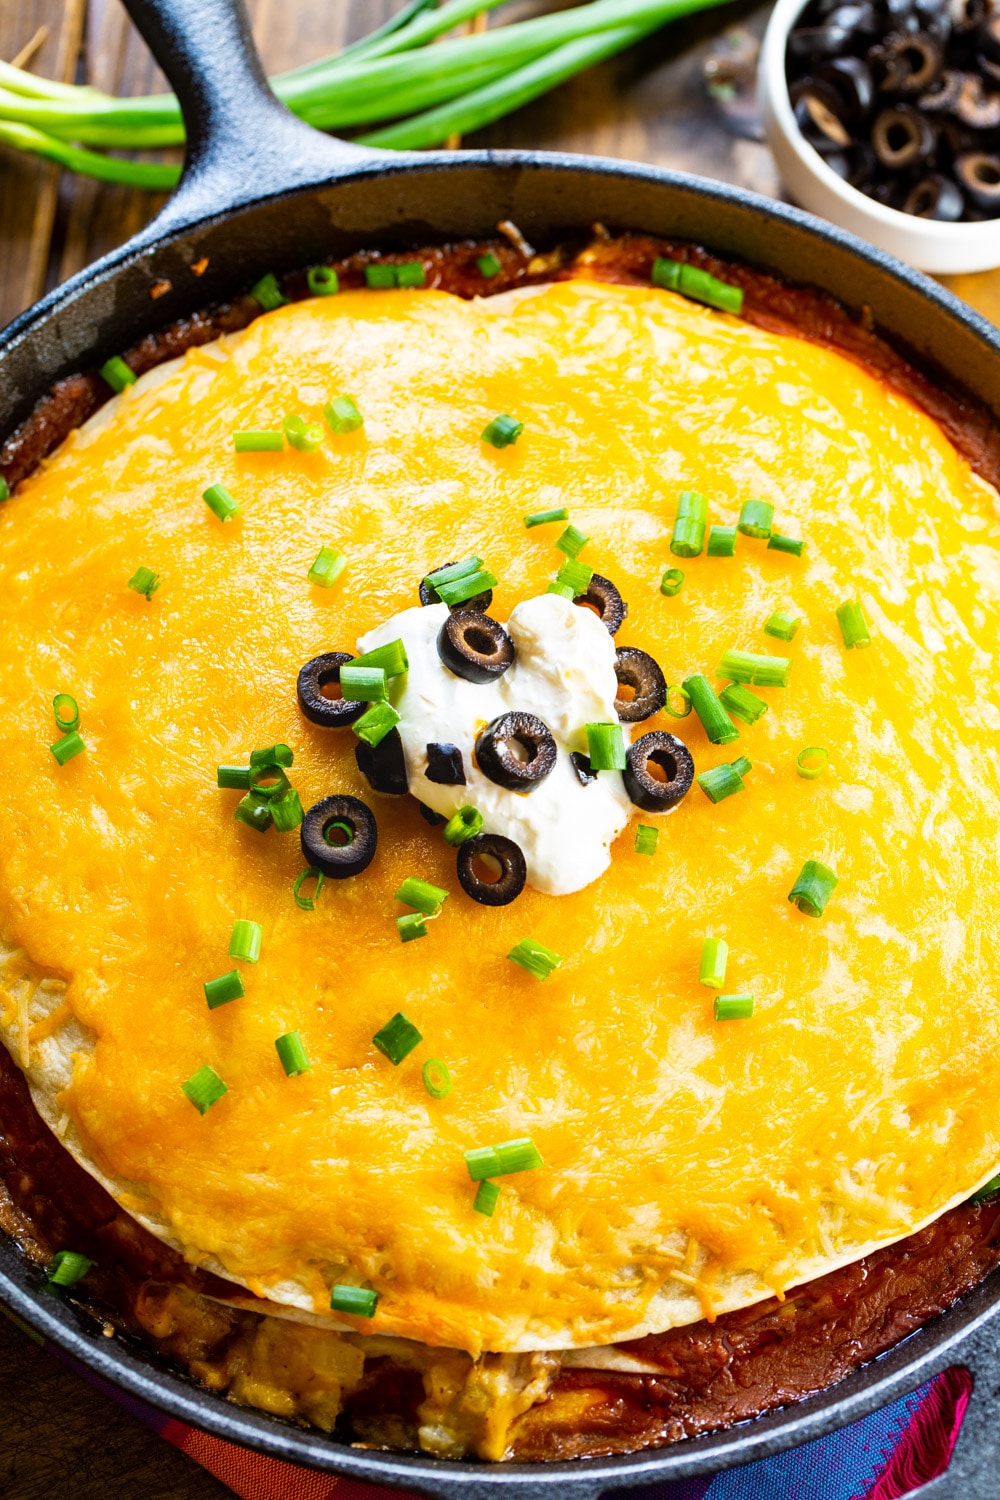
(428, 93)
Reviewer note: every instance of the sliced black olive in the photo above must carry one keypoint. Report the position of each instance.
(581, 765)
(859, 19)
(638, 672)
(491, 869)
(474, 647)
(852, 78)
(606, 602)
(481, 601)
(339, 836)
(988, 67)
(430, 816)
(818, 109)
(975, 107)
(989, 38)
(968, 15)
(444, 764)
(978, 175)
(333, 712)
(902, 15)
(942, 96)
(816, 43)
(910, 63)
(863, 165)
(662, 787)
(902, 138)
(839, 162)
(516, 751)
(935, 197)
(383, 764)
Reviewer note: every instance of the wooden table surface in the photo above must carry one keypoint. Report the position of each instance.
(59, 1439)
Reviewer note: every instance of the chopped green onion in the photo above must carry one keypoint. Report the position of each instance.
(397, 1038)
(245, 940)
(380, 276)
(606, 747)
(720, 782)
(461, 589)
(411, 926)
(677, 702)
(689, 527)
(672, 582)
(272, 755)
(303, 436)
(564, 590)
(220, 991)
(411, 273)
(534, 958)
(741, 703)
(756, 517)
(4, 490)
(733, 1007)
(502, 431)
(354, 1299)
(422, 895)
(853, 625)
(437, 1079)
(712, 968)
(363, 684)
(721, 541)
(145, 581)
(287, 811)
(716, 722)
(646, 839)
(576, 574)
(750, 666)
(292, 1054)
(812, 762)
(307, 903)
(255, 811)
(323, 281)
(375, 723)
(987, 1192)
(486, 1199)
(498, 1161)
(677, 276)
(666, 273)
(258, 442)
(220, 502)
(327, 568)
(743, 766)
(391, 658)
(541, 517)
(572, 542)
(488, 265)
(813, 888)
(462, 825)
(117, 373)
(783, 624)
(267, 780)
(233, 778)
(342, 414)
(453, 571)
(268, 293)
(777, 543)
(204, 1089)
(67, 1267)
(71, 744)
(66, 711)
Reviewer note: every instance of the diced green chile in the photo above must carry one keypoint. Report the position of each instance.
(339, 836)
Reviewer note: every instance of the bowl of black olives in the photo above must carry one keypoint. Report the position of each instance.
(884, 117)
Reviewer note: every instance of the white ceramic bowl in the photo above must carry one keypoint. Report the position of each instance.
(924, 243)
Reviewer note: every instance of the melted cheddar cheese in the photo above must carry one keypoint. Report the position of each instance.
(689, 1166)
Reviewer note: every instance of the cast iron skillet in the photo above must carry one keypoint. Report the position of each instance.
(263, 192)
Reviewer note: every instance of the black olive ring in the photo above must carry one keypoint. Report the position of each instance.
(671, 756)
(349, 820)
(331, 713)
(513, 870)
(638, 671)
(383, 765)
(500, 762)
(481, 601)
(606, 602)
(474, 647)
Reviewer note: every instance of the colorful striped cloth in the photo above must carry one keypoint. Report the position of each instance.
(882, 1457)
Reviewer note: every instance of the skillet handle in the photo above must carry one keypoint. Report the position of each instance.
(974, 1471)
(242, 143)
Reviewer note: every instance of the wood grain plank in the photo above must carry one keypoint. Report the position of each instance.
(28, 187)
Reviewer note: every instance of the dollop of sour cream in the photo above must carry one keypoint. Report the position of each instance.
(563, 672)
